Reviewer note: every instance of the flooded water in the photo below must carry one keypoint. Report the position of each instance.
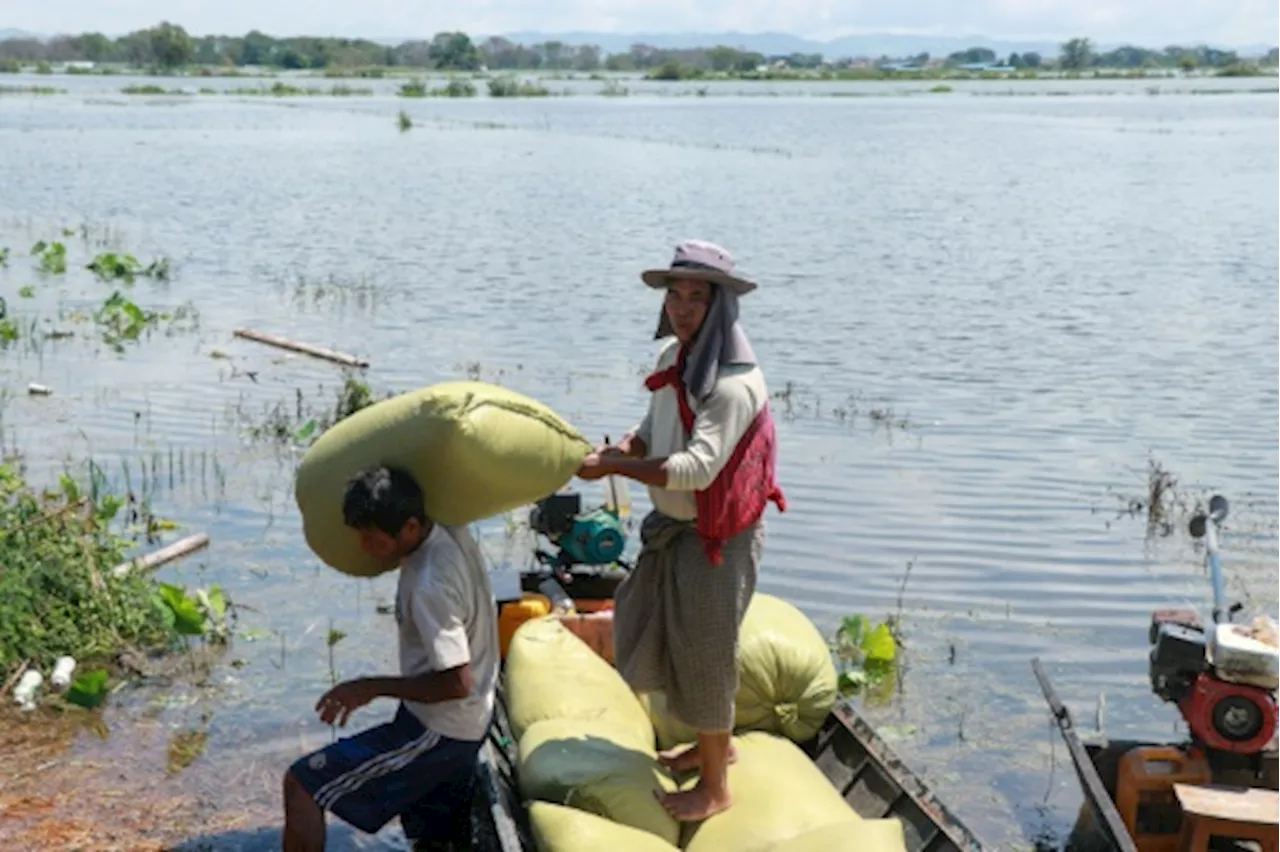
(984, 317)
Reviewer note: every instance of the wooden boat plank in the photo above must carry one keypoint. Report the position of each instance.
(884, 786)
(1100, 802)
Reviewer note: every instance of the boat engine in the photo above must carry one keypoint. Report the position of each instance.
(1223, 678)
(594, 538)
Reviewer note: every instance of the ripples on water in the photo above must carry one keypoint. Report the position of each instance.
(1048, 290)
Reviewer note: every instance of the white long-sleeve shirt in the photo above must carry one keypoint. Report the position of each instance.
(719, 423)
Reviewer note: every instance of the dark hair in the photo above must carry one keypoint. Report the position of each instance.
(384, 498)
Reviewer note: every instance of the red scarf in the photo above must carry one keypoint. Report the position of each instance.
(745, 486)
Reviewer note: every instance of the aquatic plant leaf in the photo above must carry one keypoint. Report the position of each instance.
(89, 690)
(188, 620)
(879, 645)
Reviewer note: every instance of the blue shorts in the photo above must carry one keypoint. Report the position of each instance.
(398, 769)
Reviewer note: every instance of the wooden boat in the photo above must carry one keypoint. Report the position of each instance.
(1226, 766)
(872, 779)
(1099, 826)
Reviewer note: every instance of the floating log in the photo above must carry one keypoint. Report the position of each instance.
(163, 556)
(304, 348)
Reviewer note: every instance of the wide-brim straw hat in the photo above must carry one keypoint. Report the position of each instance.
(698, 260)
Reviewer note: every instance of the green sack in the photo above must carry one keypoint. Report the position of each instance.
(870, 835)
(476, 449)
(786, 677)
(551, 674)
(669, 730)
(778, 794)
(596, 767)
(560, 829)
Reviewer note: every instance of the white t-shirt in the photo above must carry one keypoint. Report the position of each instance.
(446, 615)
(720, 421)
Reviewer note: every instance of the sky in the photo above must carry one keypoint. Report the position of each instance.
(1146, 22)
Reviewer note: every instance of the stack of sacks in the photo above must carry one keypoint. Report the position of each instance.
(589, 767)
(583, 738)
(786, 678)
(782, 803)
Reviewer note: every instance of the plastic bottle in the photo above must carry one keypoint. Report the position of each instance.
(62, 671)
(24, 694)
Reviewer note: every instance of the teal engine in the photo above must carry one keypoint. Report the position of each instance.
(596, 537)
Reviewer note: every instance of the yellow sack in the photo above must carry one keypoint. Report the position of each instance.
(669, 731)
(560, 829)
(871, 835)
(594, 766)
(786, 678)
(552, 674)
(777, 794)
(476, 449)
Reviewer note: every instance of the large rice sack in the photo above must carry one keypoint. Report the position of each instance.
(870, 835)
(668, 730)
(786, 677)
(551, 674)
(778, 794)
(560, 829)
(597, 767)
(476, 449)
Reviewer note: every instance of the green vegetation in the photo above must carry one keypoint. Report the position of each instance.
(404, 121)
(302, 422)
(30, 90)
(110, 266)
(509, 87)
(455, 88)
(865, 655)
(166, 48)
(285, 90)
(53, 257)
(149, 89)
(59, 594)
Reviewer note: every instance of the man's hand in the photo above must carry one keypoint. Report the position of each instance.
(595, 466)
(344, 699)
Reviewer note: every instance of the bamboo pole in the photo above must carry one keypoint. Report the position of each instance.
(304, 348)
(177, 550)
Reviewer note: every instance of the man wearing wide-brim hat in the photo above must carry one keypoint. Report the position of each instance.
(707, 450)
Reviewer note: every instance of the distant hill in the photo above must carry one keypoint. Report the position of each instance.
(6, 34)
(863, 44)
(773, 44)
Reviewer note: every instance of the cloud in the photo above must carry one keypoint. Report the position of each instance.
(1151, 22)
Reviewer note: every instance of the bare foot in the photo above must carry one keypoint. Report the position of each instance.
(695, 805)
(689, 759)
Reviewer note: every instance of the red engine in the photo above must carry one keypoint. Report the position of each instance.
(1232, 717)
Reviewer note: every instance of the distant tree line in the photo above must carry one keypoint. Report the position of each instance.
(169, 46)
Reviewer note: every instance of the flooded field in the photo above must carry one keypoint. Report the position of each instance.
(984, 319)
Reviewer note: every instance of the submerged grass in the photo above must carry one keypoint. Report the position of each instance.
(509, 86)
(303, 422)
(58, 592)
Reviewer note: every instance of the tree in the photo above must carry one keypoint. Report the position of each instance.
(1077, 54)
(973, 56)
(1031, 59)
(171, 47)
(454, 52)
(1014, 61)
